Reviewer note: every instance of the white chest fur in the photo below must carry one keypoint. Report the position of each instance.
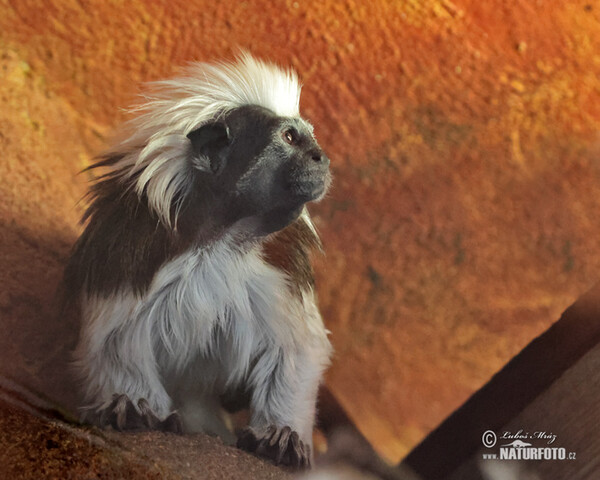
(210, 294)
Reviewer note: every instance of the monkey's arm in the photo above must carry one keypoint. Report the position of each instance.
(284, 383)
(117, 362)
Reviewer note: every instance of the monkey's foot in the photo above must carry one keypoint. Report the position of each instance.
(122, 414)
(281, 445)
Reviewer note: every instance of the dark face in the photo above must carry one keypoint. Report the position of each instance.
(262, 167)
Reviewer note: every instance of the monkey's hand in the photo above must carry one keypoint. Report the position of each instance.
(281, 445)
(122, 414)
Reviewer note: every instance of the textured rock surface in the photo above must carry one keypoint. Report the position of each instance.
(36, 443)
(464, 139)
(33, 448)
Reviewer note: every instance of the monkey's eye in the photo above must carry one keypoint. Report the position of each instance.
(290, 136)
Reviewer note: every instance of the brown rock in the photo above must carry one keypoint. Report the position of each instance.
(37, 441)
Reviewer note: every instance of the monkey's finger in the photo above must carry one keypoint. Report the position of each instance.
(271, 432)
(283, 442)
(120, 411)
(279, 436)
(148, 416)
(305, 456)
(247, 440)
(301, 455)
(265, 441)
(172, 423)
(296, 450)
(107, 412)
(104, 414)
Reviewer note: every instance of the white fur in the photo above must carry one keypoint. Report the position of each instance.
(212, 318)
(156, 145)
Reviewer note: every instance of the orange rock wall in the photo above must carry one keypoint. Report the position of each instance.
(464, 142)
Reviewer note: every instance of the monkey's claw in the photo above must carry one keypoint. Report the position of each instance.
(121, 414)
(281, 445)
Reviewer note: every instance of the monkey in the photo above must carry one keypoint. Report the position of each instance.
(193, 272)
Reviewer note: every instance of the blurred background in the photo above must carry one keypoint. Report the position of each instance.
(464, 139)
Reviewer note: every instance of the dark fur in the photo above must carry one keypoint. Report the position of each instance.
(123, 242)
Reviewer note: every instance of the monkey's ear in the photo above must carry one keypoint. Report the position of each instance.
(210, 141)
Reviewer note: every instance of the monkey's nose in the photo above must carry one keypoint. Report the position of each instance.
(321, 158)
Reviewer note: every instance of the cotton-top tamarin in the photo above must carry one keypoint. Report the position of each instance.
(193, 271)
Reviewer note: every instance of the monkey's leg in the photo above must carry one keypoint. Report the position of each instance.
(117, 362)
(285, 382)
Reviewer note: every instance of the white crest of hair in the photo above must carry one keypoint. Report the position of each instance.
(213, 318)
(156, 146)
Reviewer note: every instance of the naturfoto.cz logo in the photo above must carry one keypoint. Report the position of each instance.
(521, 445)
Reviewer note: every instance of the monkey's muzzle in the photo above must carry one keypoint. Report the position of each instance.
(310, 180)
